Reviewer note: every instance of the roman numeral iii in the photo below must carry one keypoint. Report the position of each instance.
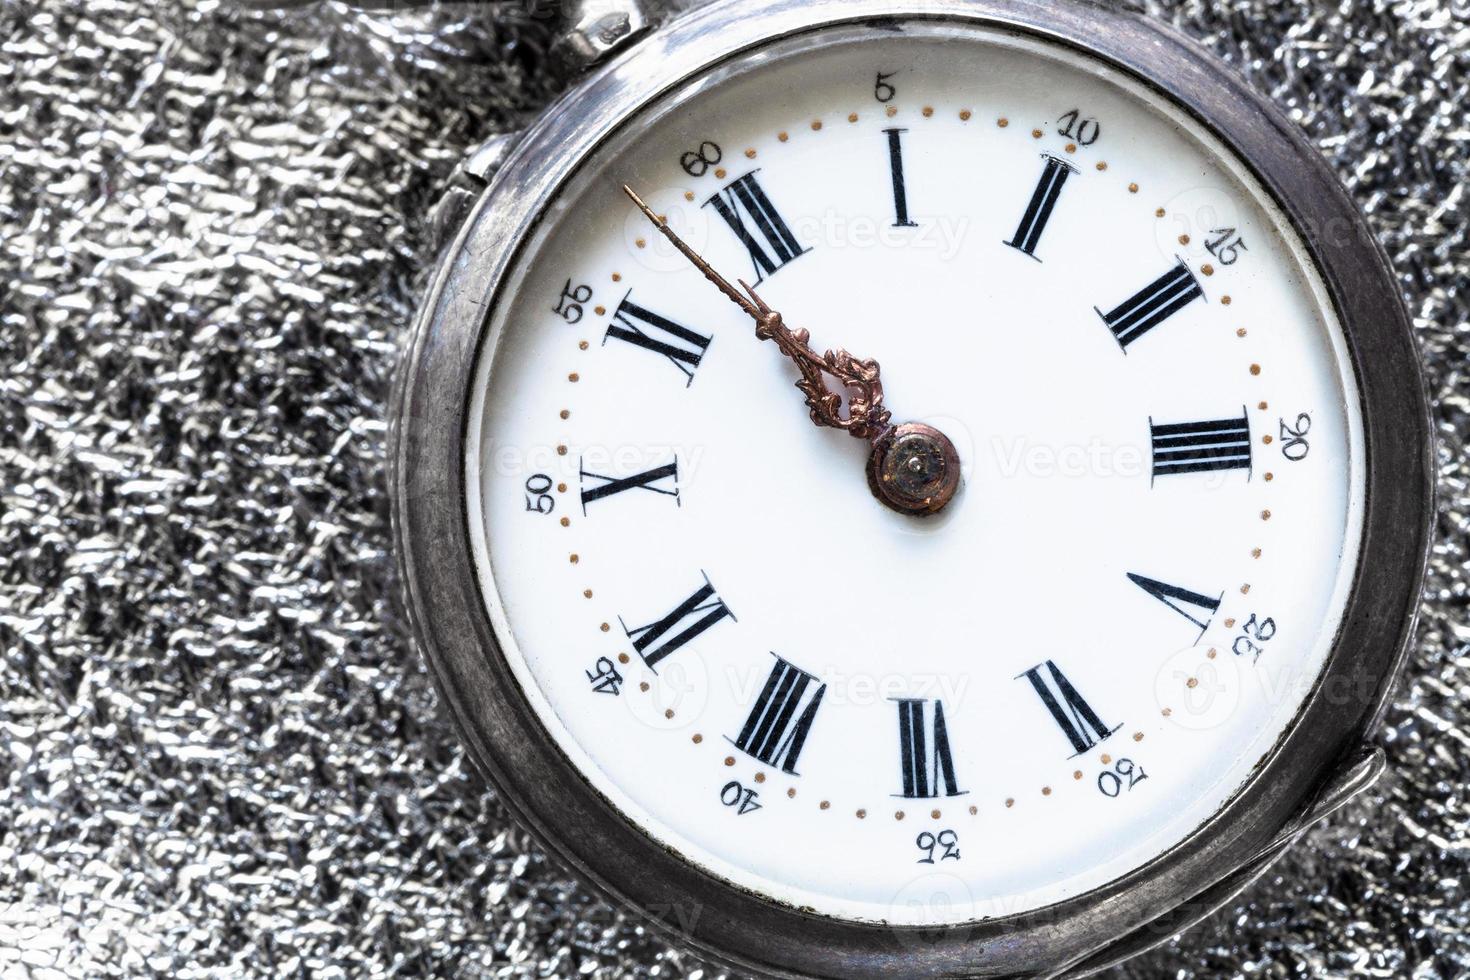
(923, 750)
(1152, 305)
(1177, 599)
(688, 620)
(779, 722)
(644, 328)
(1074, 716)
(759, 226)
(1198, 447)
(662, 480)
(1054, 174)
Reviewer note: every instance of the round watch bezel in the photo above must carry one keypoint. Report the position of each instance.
(547, 794)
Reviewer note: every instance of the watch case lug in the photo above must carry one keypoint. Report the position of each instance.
(469, 180)
(596, 29)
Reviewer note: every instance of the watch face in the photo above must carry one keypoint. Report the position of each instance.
(866, 714)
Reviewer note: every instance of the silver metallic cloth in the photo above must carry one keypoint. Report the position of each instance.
(219, 754)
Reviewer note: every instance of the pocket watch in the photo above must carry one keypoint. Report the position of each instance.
(911, 487)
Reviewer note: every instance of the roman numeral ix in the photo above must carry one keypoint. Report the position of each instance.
(650, 480)
(644, 328)
(1074, 716)
(923, 748)
(759, 226)
(1038, 212)
(1176, 599)
(778, 724)
(689, 618)
(1198, 447)
(1152, 305)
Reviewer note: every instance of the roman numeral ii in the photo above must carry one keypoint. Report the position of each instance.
(1038, 212)
(1198, 447)
(1073, 715)
(1152, 305)
(779, 722)
(759, 226)
(923, 748)
(688, 619)
(644, 328)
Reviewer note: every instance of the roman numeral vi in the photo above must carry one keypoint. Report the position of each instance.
(1073, 715)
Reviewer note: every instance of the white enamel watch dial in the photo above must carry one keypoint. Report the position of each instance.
(883, 717)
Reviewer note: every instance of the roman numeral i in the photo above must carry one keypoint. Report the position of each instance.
(923, 748)
(688, 620)
(1074, 716)
(759, 226)
(778, 724)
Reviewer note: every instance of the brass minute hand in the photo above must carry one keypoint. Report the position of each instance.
(866, 416)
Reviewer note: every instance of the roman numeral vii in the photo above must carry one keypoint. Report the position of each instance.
(923, 749)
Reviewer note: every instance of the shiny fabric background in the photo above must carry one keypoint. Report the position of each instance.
(218, 752)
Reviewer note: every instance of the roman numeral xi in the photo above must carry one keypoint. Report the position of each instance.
(641, 327)
(759, 226)
(686, 621)
(1199, 447)
(923, 749)
(776, 728)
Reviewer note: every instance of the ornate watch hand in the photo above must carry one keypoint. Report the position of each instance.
(866, 417)
(912, 467)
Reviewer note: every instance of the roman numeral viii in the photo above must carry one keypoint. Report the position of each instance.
(662, 480)
(759, 226)
(1038, 212)
(1152, 305)
(688, 619)
(1177, 599)
(778, 724)
(640, 326)
(1198, 447)
(923, 749)
(1074, 716)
